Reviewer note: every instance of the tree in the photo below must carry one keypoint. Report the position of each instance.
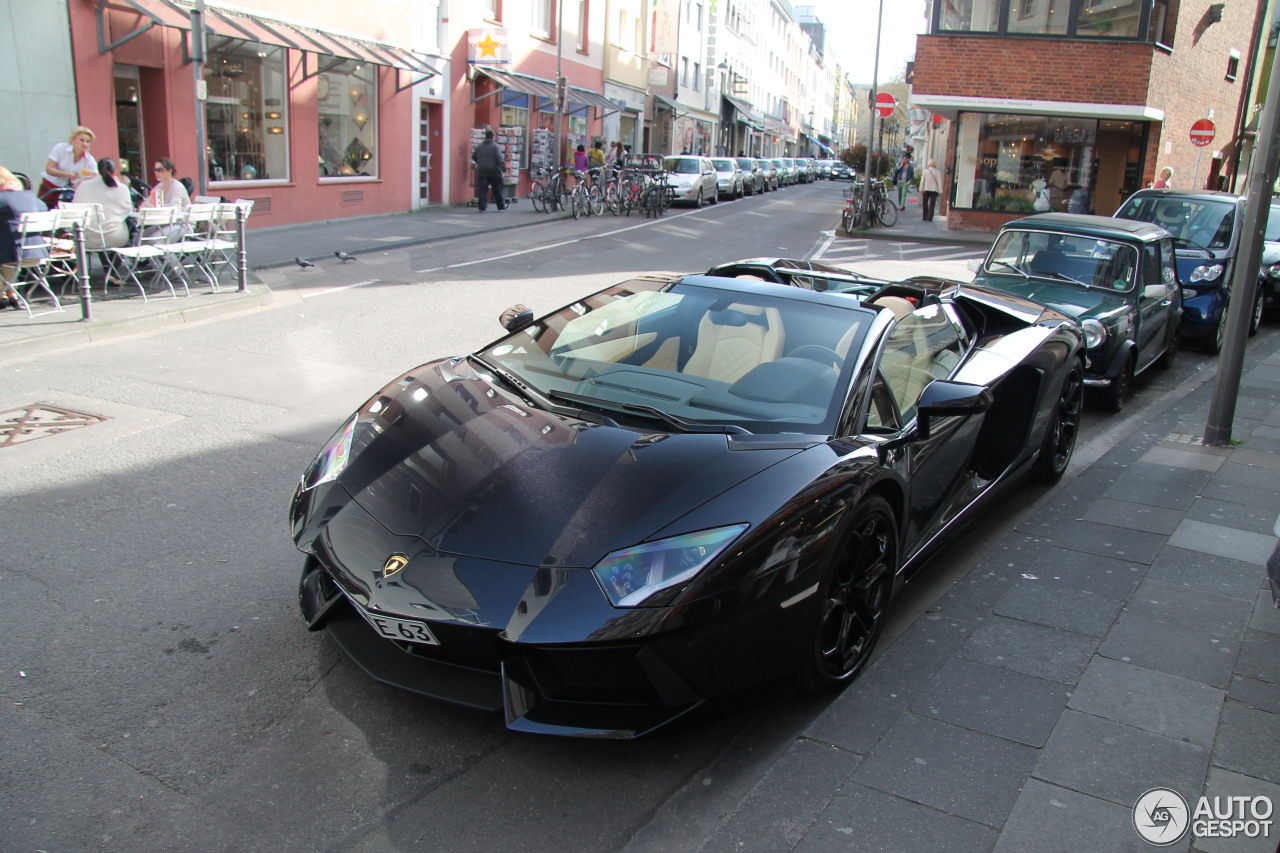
(856, 158)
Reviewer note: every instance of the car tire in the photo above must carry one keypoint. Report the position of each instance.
(715, 197)
(1117, 393)
(1063, 428)
(854, 599)
(1212, 344)
(1169, 357)
(698, 201)
(1255, 316)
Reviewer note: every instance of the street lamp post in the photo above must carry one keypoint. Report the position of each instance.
(871, 134)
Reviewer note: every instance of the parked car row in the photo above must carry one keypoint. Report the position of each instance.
(697, 179)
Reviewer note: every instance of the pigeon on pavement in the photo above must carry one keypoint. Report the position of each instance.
(303, 262)
(344, 257)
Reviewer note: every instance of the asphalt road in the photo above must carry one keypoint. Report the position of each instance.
(161, 692)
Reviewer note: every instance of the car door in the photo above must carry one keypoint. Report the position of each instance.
(927, 344)
(1156, 296)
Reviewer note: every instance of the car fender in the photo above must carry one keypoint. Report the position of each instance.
(1118, 359)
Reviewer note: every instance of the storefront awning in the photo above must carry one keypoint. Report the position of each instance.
(950, 106)
(661, 103)
(223, 22)
(538, 87)
(746, 114)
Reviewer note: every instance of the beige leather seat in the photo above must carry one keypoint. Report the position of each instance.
(734, 340)
(906, 355)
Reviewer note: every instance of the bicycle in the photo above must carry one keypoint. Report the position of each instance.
(880, 208)
(547, 192)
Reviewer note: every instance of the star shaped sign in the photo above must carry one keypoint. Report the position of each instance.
(488, 46)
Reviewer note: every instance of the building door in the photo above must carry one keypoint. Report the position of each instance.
(129, 144)
(424, 154)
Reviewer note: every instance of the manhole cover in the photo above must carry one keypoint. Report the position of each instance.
(38, 420)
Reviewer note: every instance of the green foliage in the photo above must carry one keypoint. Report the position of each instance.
(856, 157)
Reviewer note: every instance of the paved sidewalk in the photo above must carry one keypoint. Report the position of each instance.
(1122, 638)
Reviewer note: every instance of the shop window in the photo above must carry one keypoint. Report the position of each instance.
(347, 96)
(1109, 19)
(1039, 17)
(515, 118)
(246, 123)
(1025, 164)
(970, 16)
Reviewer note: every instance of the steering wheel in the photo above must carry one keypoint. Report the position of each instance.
(819, 354)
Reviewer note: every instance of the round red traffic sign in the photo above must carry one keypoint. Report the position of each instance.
(1202, 133)
(885, 104)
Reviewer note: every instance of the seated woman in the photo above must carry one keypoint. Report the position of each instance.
(112, 193)
(168, 192)
(14, 201)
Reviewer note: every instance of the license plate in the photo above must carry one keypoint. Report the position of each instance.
(399, 629)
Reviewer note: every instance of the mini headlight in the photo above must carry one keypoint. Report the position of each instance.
(332, 460)
(1094, 333)
(1207, 272)
(632, 576)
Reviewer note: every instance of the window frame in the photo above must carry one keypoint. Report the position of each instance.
(1006, 16)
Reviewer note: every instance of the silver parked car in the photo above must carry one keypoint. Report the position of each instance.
(728, 177)
(692, 180)
(770, 173)
(753, 179)
(786, 171)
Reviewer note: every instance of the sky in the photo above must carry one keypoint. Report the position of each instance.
(851, 34)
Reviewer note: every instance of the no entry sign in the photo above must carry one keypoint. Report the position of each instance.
(1202, 133)
(885, 104)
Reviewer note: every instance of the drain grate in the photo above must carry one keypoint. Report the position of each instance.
(37, 420)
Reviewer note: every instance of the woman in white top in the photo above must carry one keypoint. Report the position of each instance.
(111, 192)
(69, 163)
(168, 191)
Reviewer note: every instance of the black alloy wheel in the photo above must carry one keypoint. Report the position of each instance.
(1255, 317)
(1213, 343)
(1064, 427)
(1117, 393)
(855, 599)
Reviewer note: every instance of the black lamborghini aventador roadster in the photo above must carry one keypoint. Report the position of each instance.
(672, 490)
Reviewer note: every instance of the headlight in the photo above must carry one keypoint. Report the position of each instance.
(1208, 272)
(1094, 333)
(632, 576)
(1274, 272)
(332, 460)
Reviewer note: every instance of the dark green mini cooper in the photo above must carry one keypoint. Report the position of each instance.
(1117, 277)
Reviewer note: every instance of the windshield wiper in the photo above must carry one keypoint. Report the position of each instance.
(542, 400)
(679, 423)
(1018, 270)
(1064, 277)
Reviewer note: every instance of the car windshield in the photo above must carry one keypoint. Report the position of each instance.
(682, 165)
(722, 356)
(1067, 258)
(723, 165)
(1195, 223)
(746, 163)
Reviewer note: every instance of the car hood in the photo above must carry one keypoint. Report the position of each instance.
(1082, 303)
(454, 459)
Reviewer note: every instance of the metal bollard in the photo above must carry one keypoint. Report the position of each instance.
(242, 265)
(82, 272)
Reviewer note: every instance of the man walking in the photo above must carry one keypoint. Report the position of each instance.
(489, 170)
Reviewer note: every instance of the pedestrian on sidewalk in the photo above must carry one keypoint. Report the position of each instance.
(903, 176)
(930, 186)
(490, 168)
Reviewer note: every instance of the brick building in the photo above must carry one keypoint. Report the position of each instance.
(1073, 105)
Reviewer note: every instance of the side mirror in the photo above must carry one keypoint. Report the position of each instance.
(515, 318)
(974, 264)
(944, 399)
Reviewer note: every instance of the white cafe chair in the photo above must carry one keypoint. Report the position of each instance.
(36, 233)
(158, 228)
